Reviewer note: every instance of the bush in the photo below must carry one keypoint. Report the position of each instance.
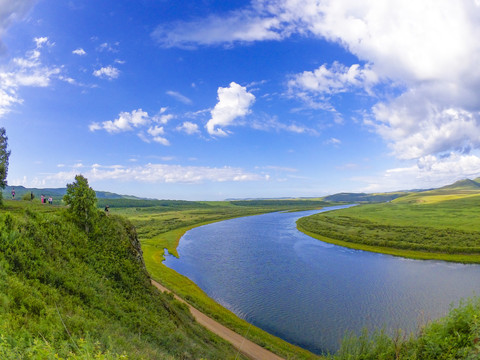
(28, 196)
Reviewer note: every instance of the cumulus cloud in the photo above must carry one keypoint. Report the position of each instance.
(148, 127)
(79, 52)
(234, 102)
(153, 173)
(126, 121)
(336, 79)
(26, 71)
(189, 128)
(109, 72)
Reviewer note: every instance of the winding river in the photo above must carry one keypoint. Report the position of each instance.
(311, 293)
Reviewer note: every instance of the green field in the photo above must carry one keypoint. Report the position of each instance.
(437, 224)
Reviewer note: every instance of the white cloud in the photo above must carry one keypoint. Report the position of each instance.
(156, 130)
(136, 120)
(27, 71)
(109, 72)
(427, 50)
(240, 26)
(161, 140)
(416, 129)
(108, 47)
(126, 121)
(272, 124)
(338, 78)
(182, 98)
(427, 172)
(79, 52)
(188, 128)
(233, 102)
(163, 118)
(153, 173)
(333, 141)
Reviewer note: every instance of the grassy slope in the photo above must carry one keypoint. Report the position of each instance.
(163, 230)
(64, 294)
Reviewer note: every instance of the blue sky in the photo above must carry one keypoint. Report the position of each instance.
(207, 100)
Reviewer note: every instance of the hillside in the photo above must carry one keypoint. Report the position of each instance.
(465, 184)
(67, 292)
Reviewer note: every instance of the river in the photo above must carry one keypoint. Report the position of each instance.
(311, 293)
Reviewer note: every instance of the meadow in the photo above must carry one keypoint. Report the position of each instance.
(429, 225)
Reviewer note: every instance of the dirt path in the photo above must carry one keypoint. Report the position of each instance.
(246, 347)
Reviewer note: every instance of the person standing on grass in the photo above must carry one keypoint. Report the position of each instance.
(13, 193)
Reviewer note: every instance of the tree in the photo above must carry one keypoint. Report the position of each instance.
(81, 200)
(4, 155)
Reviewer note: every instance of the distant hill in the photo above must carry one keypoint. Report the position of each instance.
(465, 184)
(364, 197)
(57, 193)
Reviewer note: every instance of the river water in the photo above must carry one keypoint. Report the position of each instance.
(311, 293)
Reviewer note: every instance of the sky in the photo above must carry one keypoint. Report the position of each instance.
(212, 100)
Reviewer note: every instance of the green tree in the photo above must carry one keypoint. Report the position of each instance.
(81, 200)
(4, 155)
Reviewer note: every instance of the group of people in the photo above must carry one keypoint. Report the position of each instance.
(43, 199)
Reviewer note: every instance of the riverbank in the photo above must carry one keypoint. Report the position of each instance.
(445, 230)
(244, 346)
(409, 254)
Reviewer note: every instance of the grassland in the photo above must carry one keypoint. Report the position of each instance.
(440, 224)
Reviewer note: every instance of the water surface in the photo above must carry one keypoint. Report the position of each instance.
(309, 292)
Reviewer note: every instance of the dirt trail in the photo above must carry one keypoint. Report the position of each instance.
(246, 347)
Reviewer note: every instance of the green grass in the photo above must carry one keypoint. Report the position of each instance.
(70, 295)
(422, 226)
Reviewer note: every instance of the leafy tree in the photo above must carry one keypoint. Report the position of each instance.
(81, 199)
(4, 155)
